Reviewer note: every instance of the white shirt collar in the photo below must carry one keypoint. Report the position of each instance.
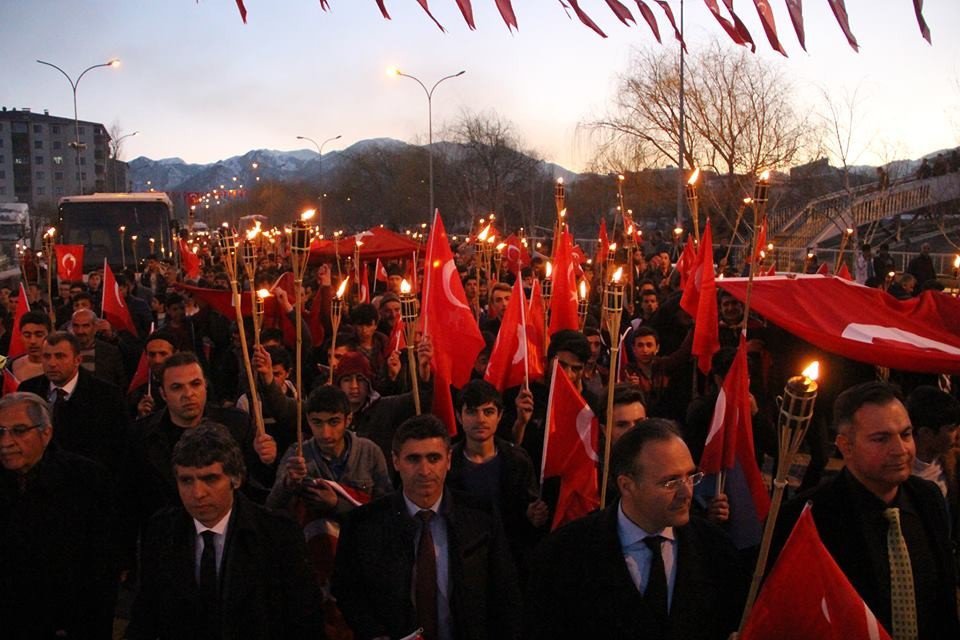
(70, 386)
(631, 533)
(413, 509)
(220, 528)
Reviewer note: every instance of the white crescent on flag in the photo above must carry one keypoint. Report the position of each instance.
(449, 268)
(68, 262)
(584, 430)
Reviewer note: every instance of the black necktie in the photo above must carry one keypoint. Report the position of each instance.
(426, 584)
(208, 569)
(655, 594)
(59, 405)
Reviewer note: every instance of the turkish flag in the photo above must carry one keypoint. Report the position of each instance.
(570, 449)
(506, 12)
(761, 245)
(769, 25)
(795, 7)
(397, 339)
(220, 300)
(772, 271)
(651, 21)
(142, 375)
(380, 271)
(563, 302)
(536, 323)
(579, 257)
(10, 383)
(189, 261)
(114, 307)
(364, 284)
(17, 348)
(467, 12)
(844, 272)
(840, 13)
(515, 255)
(687, 261)
(806, 595)
(706, 332)
(449, 321)
(69, 262)
(823, 269)
(603, 243)
(726, 24)
(729, 448)
(513, 358)
(673, 23)
(861, 323)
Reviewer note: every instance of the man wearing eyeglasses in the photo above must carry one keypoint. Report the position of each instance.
(57, 520)
(642, 567)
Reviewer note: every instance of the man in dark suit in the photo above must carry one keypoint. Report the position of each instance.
(874, 513)
(99, 357)
(642, 567)
(57, 551)
(426, 557)
(88, 413)
(220, 566)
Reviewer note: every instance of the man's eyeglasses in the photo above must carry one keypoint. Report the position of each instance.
(18, 431)
(672, 485)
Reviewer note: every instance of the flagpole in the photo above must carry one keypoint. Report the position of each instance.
(408, 313)
(736, 226)
(760, 197)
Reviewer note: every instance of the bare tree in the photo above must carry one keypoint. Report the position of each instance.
(741, 115)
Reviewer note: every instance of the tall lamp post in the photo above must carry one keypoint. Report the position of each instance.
(115, 145)
(320, 166)
(76, 121)
(393, 71)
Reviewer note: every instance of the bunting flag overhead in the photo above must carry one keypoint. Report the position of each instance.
(924, 29)
(467, 10)
(673, 23)
(769, 25)
(806, 595)
(740, 26)
(423, 4)
(651, 20)
(726, 24)
(585, 19)
(840, 12)
(795, 7)
(506, 12)
(729, 449)
(620, 10)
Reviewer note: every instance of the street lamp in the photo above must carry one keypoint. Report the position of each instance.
(115, 144)
(393, 71)
(320, 165)
(76, 122)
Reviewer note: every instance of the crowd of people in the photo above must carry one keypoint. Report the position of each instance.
(139, 499)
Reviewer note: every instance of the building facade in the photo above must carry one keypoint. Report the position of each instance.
(39, 164)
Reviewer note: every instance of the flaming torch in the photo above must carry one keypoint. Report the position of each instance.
(796, 412)
(613, 306)
(582, 304)
(546, 287)
(249, 261)
(761, 193)
(49, 248)
(693, 202)
(336, 315)
(299, 255)
(259, 305)
(123, 246)
(228, 248)
(409, 311)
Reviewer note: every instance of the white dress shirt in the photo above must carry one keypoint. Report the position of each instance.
(220, 529)
(438, 529)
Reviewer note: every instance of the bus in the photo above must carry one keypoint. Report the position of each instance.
(95, 220)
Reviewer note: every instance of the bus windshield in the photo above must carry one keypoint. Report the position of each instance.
(96, 225)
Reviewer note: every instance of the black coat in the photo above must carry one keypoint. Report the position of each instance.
(57, 550)
(93, 423)
(267, 587)
(580, 586)
(837, 514)
(373, 577)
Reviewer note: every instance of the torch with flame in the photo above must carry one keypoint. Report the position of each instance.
(613, 308)
(299, 256)
(123, 246)
(796, 413)
(336, 315)
(409, 312)
(582, 304)
(693, 202)
(546, 287)
(559, 198)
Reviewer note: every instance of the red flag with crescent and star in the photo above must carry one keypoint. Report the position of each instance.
(115, 309)
(449, 321)
(69, 262)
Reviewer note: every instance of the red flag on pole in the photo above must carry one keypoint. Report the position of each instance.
(806, 595)
(823, 269)
(397, 339)
(69, 262)
(729, 448)
(537, 321)
(449, 321)
(844, 272)
(840, 12)
(570, 449)
(563, 302)
(603, 243)
(700, 301)
(687, 262)
(773, 270)
(515, 255)
(365, 284)
(761, 242)
(10, 382)
(381, 272)
(189, 260)
(17, 347)
(114, 308)
(142, 375)
(514, 359)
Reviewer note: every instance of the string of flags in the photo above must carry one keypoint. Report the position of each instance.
(731, 24)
